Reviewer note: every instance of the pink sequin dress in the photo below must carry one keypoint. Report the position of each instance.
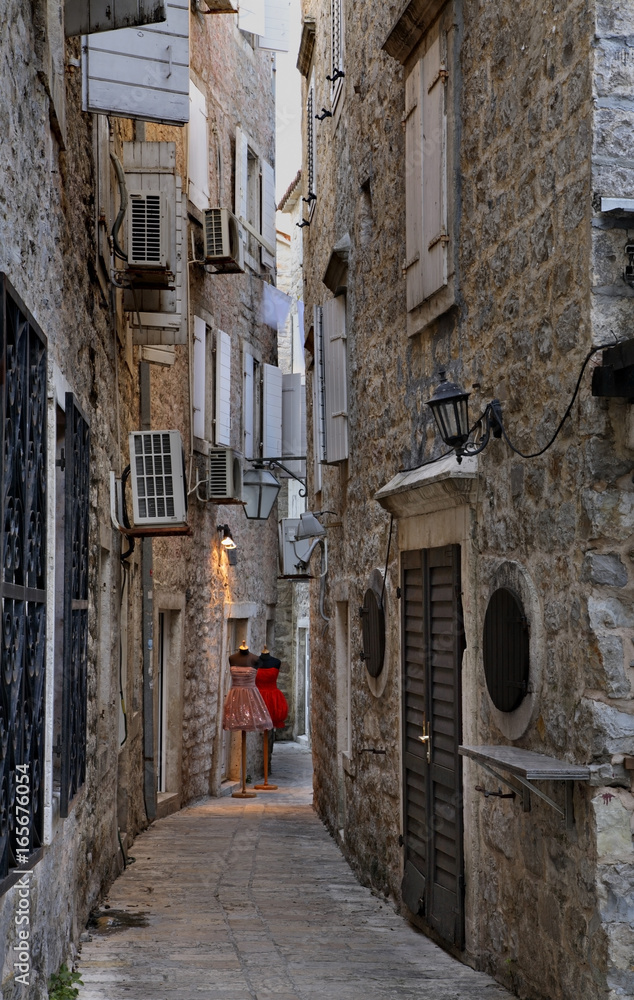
(244, 705)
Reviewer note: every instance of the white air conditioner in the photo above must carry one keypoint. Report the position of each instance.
(157, 474)
(291, 552)
(224, 475)
(147, 229)
(223, 245)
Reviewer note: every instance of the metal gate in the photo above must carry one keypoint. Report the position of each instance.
(433, 644)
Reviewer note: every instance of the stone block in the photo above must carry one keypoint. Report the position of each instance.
(613, 832)
(605, 568)
(609, 612)
(612, 730)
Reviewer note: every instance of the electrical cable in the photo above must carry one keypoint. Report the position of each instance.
(123, 195)
(536, 454)
(387, 558)
(121, 692)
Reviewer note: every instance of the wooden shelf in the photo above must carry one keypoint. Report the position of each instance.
(526, 767)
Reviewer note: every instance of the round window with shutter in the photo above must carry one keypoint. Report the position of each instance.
(506, 644)
(373, 631)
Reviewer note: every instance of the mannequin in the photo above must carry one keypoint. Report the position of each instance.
(266, 680)
(244, 706)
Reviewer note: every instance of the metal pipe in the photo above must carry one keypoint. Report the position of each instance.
(149, 780)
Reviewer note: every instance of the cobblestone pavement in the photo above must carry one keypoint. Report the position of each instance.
(252, 900)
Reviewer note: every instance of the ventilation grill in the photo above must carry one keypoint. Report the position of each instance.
(223, 475)
(157, 477)
(213, 233)
(146, 230)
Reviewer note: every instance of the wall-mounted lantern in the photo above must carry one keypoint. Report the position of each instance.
(259, 489)
(227, 540)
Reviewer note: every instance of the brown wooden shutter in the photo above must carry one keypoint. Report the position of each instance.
(433, 644)
(434, 142)
(413, 186)
(415, 794)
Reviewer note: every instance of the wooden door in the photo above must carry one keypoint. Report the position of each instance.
(433, 644)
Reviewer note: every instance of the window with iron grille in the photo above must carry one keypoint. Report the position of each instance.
(22, 585)
(311, 163)
(75, 667)
(337, 51)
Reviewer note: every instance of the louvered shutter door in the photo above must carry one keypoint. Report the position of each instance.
(335, 370)
(413, 186)
(433, 645)
(434, 237)
(86, 17)
(271, 411)
(415, 793)
(268, 211)
(223, 388)
(198, 149)
(200, 338)
(140, 73)
(277, 14)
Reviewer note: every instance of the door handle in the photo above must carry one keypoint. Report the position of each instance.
(426, 738)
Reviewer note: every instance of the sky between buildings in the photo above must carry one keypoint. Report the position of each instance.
(288, 135)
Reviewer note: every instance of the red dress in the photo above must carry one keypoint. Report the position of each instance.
(266, 680)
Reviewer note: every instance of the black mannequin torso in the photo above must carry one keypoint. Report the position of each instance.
(268, 662)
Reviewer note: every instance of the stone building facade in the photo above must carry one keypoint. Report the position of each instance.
(115, 651)
(458, 155)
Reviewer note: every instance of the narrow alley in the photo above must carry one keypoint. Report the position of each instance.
(254, 900)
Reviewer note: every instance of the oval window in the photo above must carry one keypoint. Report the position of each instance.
(373, 630)
(506, 650)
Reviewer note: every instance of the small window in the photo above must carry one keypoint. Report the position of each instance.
(506, 650)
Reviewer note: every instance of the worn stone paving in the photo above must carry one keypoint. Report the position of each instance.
(252, 900)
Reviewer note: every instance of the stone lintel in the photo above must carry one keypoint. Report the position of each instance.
(431, 488)
(336, 275)
(412, 23)
(306, 46)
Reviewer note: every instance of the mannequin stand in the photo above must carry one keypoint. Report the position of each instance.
(243, 793)
(266, 787)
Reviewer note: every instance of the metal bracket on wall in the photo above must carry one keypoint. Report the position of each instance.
(526, 767)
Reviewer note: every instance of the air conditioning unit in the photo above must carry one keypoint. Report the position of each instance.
(291, 552)
(147, 230)
(223, 475)
(223, 245)
(157, 474)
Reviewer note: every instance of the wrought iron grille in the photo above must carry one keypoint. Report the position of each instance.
(23, 579)
(74, 697)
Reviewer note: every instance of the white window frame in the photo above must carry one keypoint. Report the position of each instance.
(337, 50)
(222, 390)
(311, 148)
(198, 149)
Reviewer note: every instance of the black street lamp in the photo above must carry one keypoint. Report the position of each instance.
(450, 406)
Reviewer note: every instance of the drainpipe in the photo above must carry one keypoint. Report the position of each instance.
(149, 773)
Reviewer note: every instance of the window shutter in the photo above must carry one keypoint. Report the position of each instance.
(336, 396)
(242, 153)
(198, 149)
(223, 389)
(86, 17)
(434, 238)
(247, 402)
(200, 351)
(142, 74)
(413, 186)
(277, 15)
(251, 16)
(294, 421)
(268, 212)
(271, 411)
(318, 398)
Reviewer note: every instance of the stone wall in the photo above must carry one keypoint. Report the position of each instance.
(542, 915)
(47, 250)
